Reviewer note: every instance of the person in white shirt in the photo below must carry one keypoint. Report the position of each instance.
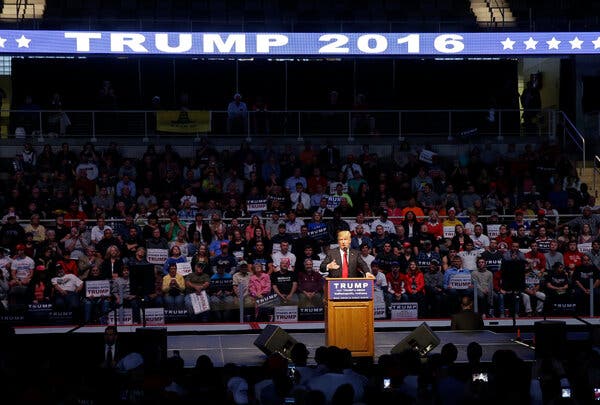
(367, 256)
(469, 256)
(98, 230)
(66, 290)
(299, 196)
(388, 226)
(284, 252)
(480, 241)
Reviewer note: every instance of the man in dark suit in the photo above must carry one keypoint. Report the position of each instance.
(344, 262)
(466, 319)
(200, 226)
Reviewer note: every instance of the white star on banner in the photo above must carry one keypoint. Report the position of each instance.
(553, 43)
(596, 43)
(2, 42)
(576, 43)
(530, 43)
(23, 42)
(507, 43)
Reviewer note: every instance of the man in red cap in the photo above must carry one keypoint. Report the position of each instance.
(21, 273)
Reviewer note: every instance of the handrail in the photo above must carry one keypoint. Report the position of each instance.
(449, 124)
(570, 129)
(596, 171)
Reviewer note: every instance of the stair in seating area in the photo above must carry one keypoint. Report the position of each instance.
(493, 13)
(29, 9)
(587, 176)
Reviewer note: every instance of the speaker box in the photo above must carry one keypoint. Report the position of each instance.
(273, 339)
(151, 343)
(550, 338)
(422, 340)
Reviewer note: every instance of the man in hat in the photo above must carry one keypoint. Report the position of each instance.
(241, 279)
(221, 292)
(224, 256)
(67, 288)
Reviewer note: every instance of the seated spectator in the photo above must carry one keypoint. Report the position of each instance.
(241, 279)
(310, 286)
(221, 293)
(434, 282)
(120, 290)
(21, 273)
(284, 282)
(226, 258)
(175, 257)
(557, 285)
(196, 282)
(457, 283)
(415, 286)
(533, 281)
(95, 307)
(586, 280)
(173, 288)
(259, 284)
(40, 285)
(396, 283)
(483, 279)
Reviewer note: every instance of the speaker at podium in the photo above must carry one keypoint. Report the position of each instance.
(273, 339)
(422, 340)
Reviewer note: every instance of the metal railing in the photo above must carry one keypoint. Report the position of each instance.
(571, 136)
(459, 125)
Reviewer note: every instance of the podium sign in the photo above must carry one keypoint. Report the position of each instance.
(350, 289)
(350, 316)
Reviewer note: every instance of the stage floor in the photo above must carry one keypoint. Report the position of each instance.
(240, 348)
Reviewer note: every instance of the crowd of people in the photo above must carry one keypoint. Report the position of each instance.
(113, 369)
(205, 235)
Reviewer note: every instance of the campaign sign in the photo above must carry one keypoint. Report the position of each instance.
(176, 315)
(493, 230)
(311, 313)
(39, 313)
(460, 282)
(286, 313)
(267, 300)
(584, 247)
(449, 232)
(350, 289)
(155, 316)
(124, 316)
(60, 317)
(404, 310)
(256, 205)
(97, 288)
(184, 268)
(157, 256)
(380, 310)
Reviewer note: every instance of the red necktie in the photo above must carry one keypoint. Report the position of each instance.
(345, 265)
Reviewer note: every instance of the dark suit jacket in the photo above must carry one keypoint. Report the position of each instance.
(356, 265)
(466, 320)
(206, 232)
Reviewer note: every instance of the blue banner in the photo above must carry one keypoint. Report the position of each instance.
(18, 42)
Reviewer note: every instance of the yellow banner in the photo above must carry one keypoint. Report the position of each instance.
(183, 121)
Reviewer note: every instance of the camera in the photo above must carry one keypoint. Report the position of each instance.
(387, 383)
(483, 377)
(566, 393)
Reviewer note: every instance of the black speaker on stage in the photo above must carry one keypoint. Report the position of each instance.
(151, 343)
(550, 338)
(422, 340)
(273, 339)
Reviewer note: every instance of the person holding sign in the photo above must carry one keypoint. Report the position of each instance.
(196, 282)
(344, 262)
(457, 283)
(97, 295)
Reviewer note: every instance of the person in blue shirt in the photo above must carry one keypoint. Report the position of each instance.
(454, 289)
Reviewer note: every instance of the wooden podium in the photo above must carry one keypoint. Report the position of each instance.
(349, 315)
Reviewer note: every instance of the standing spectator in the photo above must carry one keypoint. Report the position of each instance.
(237, 116)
